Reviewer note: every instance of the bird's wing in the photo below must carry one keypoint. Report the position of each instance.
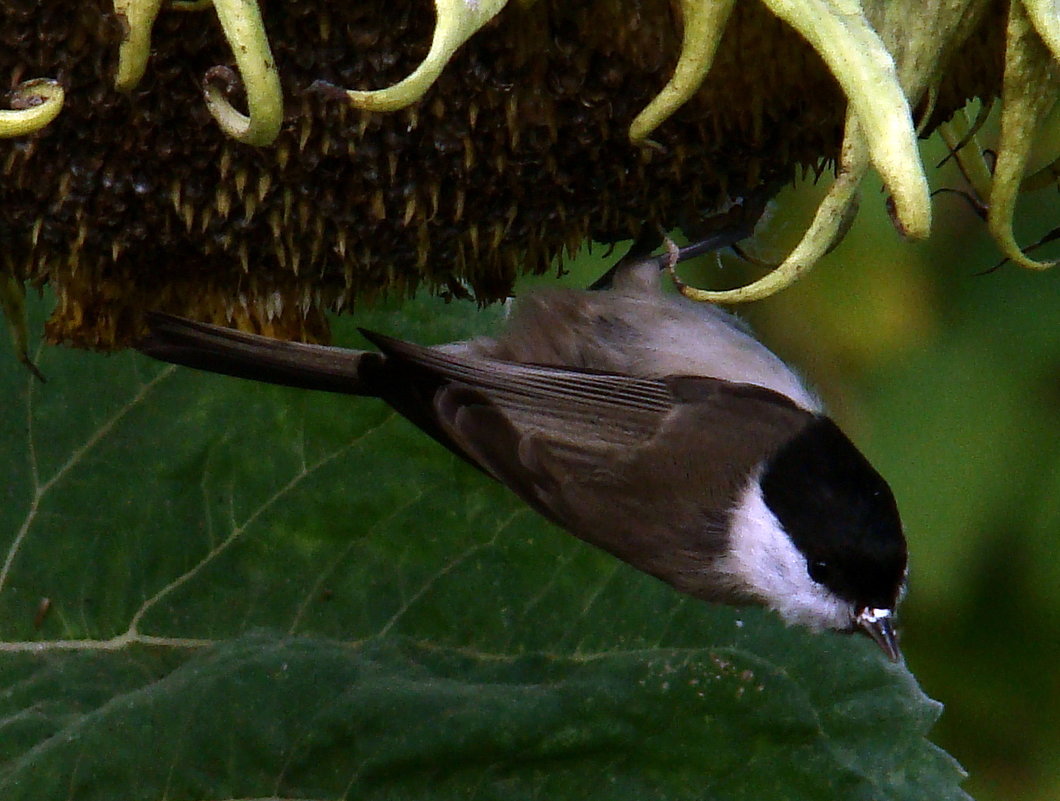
(622, 410)
(647, 469)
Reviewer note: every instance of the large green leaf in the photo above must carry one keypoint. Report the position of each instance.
(214, 589)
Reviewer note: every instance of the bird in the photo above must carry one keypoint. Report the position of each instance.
(654, 427)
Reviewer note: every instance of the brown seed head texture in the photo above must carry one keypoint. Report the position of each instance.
(519, 152)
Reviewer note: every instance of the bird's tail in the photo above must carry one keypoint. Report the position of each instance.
(293, 364)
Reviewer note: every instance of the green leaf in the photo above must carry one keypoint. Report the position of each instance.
(214, 589)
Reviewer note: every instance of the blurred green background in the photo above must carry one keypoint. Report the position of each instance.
(949, 379)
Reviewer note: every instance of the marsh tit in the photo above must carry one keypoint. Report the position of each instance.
(651, 426)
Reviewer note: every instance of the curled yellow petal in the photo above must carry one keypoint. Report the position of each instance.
(1046, 21)
(458, 21)
(1043, 165)
(13, 308)
(833, 217)
(704, 21)
(139, 17)
(245, 31)
(959, 136)
(1029, 89)
(33, 105)
(842, 36)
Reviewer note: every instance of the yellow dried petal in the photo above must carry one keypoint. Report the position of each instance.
(842, 36)
(13, 309)
(960, 138)
(1030, 88)
(704, 21)
(1044, 16)
(458, 21)
(833, 217)
(1044, 161)
(245, 31)
(43, 100)
(139, 17)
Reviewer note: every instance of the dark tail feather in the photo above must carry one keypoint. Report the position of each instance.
(293, 364)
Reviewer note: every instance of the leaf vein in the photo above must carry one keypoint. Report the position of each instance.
(79, 453)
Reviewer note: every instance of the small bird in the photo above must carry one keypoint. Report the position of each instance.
(651, 426)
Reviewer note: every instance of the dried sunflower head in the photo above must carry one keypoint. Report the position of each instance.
(263, 164)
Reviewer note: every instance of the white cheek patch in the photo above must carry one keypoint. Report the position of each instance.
(763, 559)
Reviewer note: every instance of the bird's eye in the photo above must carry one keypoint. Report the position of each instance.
(819, 570)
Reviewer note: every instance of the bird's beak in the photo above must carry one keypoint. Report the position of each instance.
(877, 624)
